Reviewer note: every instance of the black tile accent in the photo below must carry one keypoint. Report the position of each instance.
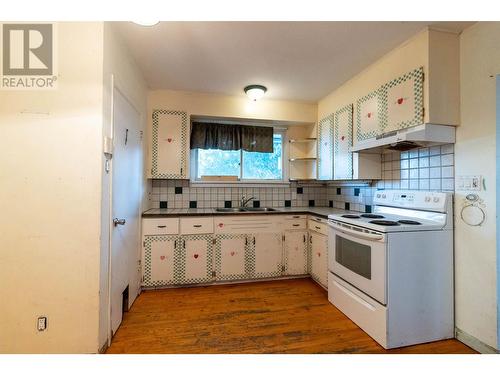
(356, 192)
(193, 204)
(368, 209)
(178, 190)
(330, 203)
(311, 203)
(339, 191)
(288, 203)
(347, 205)
(256, 203)
(300, 190)
(227, 204)
(163, 204)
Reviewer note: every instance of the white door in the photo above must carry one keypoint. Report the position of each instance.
(268, 252)
(342, 155)
(196, 256)
(169, 153)
(126, 206)
(319, 258)
(296, 252)
(325, 148)
(230, 256)
(160, 257)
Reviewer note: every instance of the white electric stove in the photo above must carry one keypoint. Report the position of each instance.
(391, 271)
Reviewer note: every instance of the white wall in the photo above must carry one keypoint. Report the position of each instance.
(122, 73)
(50, 193)
(475, 247)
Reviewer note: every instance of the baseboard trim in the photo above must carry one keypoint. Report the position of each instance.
(474, 343)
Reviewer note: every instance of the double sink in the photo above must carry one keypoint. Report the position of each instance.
(246, 209)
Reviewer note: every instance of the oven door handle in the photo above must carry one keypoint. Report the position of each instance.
(362, 235)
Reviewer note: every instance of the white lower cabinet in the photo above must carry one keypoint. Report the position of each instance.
(295, 252)
(231, 256)
(267, 255)
(196, 259)
(160, 261)
(319, 257)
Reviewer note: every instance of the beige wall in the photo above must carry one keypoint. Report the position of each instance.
(475, 247)
(122, 73)
(427, 48)
(50, 193)
(203, 104)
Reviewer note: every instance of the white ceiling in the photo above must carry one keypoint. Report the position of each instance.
(295, 60)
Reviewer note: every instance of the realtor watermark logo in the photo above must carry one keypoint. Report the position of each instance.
(28, 56)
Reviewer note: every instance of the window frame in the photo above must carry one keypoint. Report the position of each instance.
(241, 181)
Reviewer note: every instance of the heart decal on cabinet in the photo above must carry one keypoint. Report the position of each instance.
(162, 257)
(195, 256)
(232, 253)
(169, 140)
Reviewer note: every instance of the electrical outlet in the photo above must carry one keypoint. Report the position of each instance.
(42, 323)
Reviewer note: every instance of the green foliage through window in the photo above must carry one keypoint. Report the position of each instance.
(256, 165)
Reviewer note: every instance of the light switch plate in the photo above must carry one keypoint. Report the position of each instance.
(469, 183)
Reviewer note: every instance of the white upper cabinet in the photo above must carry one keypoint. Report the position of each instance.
(325, 148)
(342, 143)
(169, 145)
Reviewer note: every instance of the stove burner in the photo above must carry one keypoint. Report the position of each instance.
(409, 222)
(351, 216)
(372, 216)
(384, 222)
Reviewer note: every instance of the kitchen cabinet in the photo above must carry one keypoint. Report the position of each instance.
(232, 256)
(195, 258)
(342, 143)
(169, 145)
(267, 254)
(295, 252)
(319, 257)
(325, 148)
(161, 261)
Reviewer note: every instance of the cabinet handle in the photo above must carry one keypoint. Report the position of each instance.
(175, 243)
(304, 238)
(254, 240)
(295, 225)
(246, 241)
(310, 239)
(162, 226)
(296, 217)
(197, 225)
(183, 244)
(317, 227)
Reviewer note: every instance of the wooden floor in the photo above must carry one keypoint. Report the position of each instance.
(288, 316)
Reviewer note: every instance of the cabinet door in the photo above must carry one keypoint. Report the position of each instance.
(169, 144)
(196, 259)
(231, 259)
(325, 148)
(319, 258)
(160, 261)
(267, 254)
(342, 155)
(296, 252)
(404, 101)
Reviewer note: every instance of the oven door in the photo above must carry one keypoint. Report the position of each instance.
(358, 256)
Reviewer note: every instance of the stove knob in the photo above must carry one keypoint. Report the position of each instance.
(427, 199)
(383, 196)
(378, 195)
(436, 199)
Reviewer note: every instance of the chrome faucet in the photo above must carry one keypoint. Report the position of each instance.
(244, 201)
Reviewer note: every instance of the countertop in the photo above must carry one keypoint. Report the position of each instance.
(318, 211)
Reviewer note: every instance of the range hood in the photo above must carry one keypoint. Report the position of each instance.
(424, 135)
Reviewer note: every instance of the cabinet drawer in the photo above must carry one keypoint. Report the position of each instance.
(295, 224)
(316, 226)
(152, 227)
(295, 217)
(197, 225)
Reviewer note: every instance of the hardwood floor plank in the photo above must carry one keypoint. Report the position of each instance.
(286, 316)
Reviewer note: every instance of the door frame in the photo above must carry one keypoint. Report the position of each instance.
(114, 86)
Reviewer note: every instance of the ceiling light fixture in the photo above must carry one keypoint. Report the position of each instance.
(147, 22)
(255, 92)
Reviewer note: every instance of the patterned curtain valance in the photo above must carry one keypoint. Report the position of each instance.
(208, 136)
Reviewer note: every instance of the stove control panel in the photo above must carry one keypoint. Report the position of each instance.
(420, 200)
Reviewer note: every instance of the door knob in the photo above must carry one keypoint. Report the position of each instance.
(118, 221)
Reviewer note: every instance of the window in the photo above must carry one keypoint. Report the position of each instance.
(244, 165)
